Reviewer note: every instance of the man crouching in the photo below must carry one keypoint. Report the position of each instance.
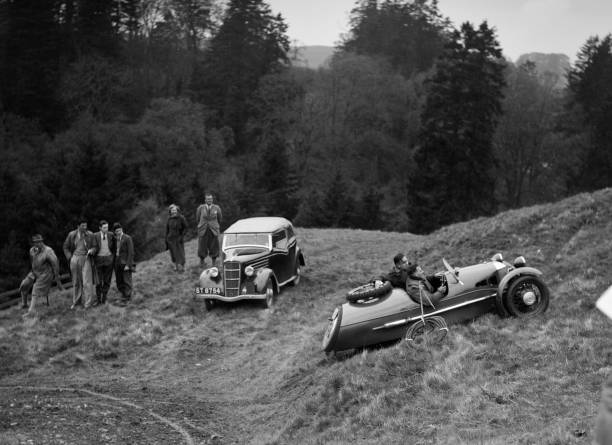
(45, 268)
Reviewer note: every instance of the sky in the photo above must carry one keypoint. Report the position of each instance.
(523, 26)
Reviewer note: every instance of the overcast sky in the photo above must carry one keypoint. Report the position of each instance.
(549, 26)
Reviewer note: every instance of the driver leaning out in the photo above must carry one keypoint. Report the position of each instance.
(419, 287)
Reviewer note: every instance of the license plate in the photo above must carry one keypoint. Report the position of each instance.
(207, 291)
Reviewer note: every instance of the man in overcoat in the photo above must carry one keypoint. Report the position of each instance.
(208, 220)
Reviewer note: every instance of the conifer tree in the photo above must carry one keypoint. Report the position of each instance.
(408, 34)
(453, 179)
(590, 87)
(250, 44)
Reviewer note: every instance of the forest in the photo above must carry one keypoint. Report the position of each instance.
(115, 109)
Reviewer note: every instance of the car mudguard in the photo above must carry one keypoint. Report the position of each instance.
(520, 271)
(261, 278)
(301, 258)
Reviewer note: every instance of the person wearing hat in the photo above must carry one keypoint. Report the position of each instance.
(420, 289)
(399, 274)
(175, 231)
(45, 268)
(78, 248)
(124, 262)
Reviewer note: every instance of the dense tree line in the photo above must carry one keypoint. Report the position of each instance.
(115, 109)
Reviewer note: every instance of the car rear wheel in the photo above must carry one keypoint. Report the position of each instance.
(269, 301)
(368, 292)
(298, 276)
(429, 331)
(527, 296)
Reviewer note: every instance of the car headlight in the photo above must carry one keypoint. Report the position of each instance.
(214, 272)
(519, 261)
(249, 271)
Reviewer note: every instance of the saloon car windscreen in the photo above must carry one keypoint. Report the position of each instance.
(246, 239)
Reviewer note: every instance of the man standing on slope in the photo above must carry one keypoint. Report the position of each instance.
(78, 246)
(124, 263)
(208, 219)
(104, 256)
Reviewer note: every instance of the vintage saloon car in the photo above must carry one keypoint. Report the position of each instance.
(259, 256)
(376, 313)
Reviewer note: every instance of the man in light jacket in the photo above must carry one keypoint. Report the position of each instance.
(208, 220)
(78, 248)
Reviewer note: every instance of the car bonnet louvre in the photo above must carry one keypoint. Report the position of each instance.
(263, 262)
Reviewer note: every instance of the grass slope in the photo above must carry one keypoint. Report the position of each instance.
(241, 374)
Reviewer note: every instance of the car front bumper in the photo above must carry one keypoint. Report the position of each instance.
(230, 299)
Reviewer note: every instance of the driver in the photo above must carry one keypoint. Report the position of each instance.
(399, 274)
(420, 289)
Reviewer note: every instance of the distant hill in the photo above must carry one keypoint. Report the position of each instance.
(313, 56)
(556, 65)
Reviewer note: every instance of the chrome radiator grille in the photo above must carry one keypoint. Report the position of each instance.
(231, 274)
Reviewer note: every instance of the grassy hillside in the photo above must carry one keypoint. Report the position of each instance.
(165, 370)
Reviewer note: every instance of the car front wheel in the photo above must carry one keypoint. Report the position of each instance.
(269, 301)
(527, 296)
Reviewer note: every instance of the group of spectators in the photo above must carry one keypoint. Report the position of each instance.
(93, 257)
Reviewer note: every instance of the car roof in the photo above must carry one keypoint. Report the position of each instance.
(260, 224)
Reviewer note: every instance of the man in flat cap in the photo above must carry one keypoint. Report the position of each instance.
(420, 289)
(45, 268)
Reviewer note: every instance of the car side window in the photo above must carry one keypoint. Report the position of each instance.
(290, 235)
(279, 240)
